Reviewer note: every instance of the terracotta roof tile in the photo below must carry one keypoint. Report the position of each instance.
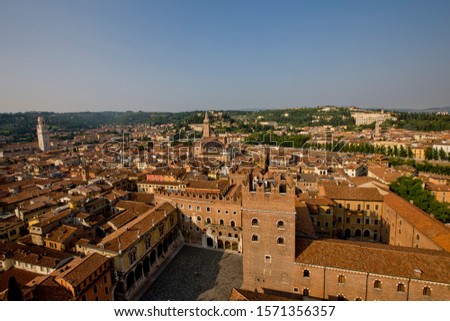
(129, 233)
(79, 269)
(375, 258)
(422, 221)
(342, 192)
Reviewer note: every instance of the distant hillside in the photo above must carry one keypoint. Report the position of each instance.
(424, 110)
(22, 126)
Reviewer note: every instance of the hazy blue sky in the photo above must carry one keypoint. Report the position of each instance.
(228, 54)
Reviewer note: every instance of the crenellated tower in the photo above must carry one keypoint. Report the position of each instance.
(268, 231)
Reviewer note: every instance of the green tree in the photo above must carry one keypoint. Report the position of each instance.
(409, 152)
(435, 154)
(428, 153)
(411, 189)
(403, 152)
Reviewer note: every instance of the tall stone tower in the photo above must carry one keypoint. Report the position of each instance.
(268, 232)
(42, 134)
(206, 127)
(377, 128)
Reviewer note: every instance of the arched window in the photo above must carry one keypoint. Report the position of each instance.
(280, 224)
(366, 233)
(400, 287)
(221, 222)
(306, 292)
(208, 220)
(208, 209)
(280, 240)
(377, 284)
(232, 223)
(255, 222)
(426, 291)
(199, 218)
(341, 279)
(358, 232)
(254, 238)
(417, 237)
(306, 273)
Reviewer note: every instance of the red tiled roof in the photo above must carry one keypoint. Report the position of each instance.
(342, 192)
(47, 289)
(375, 258)
(129, 233)
(422, 221)
(79, 269)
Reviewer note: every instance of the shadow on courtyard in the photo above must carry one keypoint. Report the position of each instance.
(197, 274)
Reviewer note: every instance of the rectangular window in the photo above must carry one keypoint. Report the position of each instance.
(267, 259)
(339, 219)
(358, 221)
(368, 207)
(347, 220)
(367, 221)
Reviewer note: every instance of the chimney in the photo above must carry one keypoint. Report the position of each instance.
(418, 272)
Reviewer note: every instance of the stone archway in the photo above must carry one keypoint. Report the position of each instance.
(220, 244)
(227, 245)
(130, 280)
(165, 245)
(209, 242)
(152, 257)
(348, 233)
(146, 265)
(357, 232)
(234, 246)
(138, 271)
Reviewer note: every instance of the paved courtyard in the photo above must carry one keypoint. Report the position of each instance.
(197, 274)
